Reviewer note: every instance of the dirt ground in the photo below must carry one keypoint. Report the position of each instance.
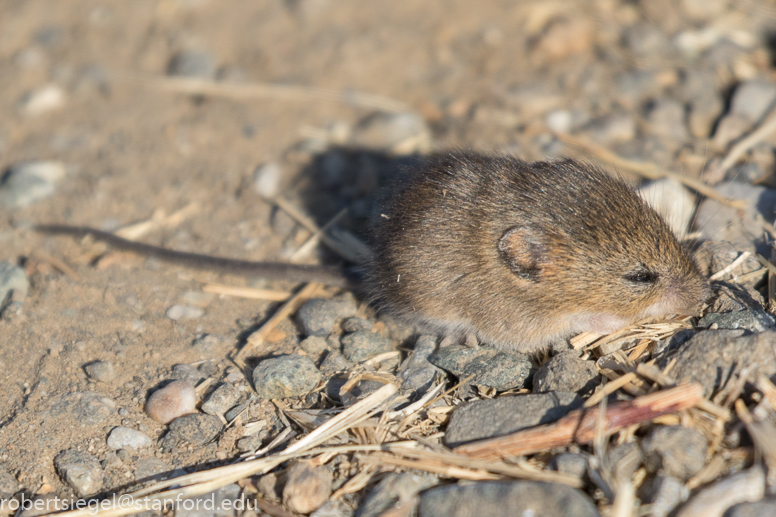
(132, 149)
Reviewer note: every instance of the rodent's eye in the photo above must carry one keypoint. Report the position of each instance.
(642, 277)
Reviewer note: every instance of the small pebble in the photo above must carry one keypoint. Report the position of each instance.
(307, 487)
(401, 133)
(80, 470)
(334, 362)
(753, 321)
(356, 324)
(360, 346)
(221, 400)
(611, 129)
(499, 369)
(392, 489)
(101, 371)
(47, 98)
(624, 460)
(672, 201)
(416, 372)
(84, 408)
(566, 372)
(361, 389)
(186, 372)
(285, 376)
(523, 498)
(713, 499)
(573, 464)
(266, 179)
(666, 118)
(184, 312)
(674, 451)
(27, 182)
(314, 345)
(125, 438)
(333, 509)
(318, 316)
(495, 417)
(209, 344)
(176, 399)
(664, 494)
(194, 430)
(197, 64)
(14, 285)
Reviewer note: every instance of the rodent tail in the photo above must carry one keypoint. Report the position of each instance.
(329, 275)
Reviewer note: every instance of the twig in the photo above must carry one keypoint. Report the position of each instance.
(740, 260)
(767, 127)
(205, 87)
(580, 425)
(288, 308)
(57, 264)
(315, 238)
(648, 170)
(247, 292)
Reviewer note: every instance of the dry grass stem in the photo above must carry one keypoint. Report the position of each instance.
(56, 264)
(247, 292)
(580, 425)
(158, 220)
(740, 260)
(766, 129)
(315, 238)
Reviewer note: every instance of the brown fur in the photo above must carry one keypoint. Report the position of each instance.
(523, 254)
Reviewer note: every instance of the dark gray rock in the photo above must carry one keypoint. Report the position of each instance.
(125, 438)
(356, 324)
(28, 182)
(222, 399)
(334, 362)
(314, 345)
(716, 221)
(499, 369)
(754, 321)
(360, 346)
(80, 470)
(318, 316)
(235, 411)
(197, 64)
(392, 489)
(674, 451)
(194, 430)
(223, 502)
(490, 499)
(730, 297)
(495, 417)
(715, 357)
(417, 373)
(285, 376)
(573, 464)
(663, 494)
(101, 371)
(566, 372)
(84, 408)
(759, 509)
(250, 443)
(624, 460)
(714, 256)
(362, 389)
(187, 372)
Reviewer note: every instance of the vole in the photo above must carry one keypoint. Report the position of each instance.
(519, 254)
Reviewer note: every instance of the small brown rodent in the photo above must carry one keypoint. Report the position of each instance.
(517, 254)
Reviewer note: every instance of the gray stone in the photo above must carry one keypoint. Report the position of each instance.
(714, 256)
(224, 502)
(125, 438)
(490, 499)
(334, 362)
(27, 182)
(266, 179)
(14, 285)
(356, 324)
(84, 408)
(222, 399)
(285, 376)
(674, 451)
(197, 64)
(101, 371)
(754, 321)
(175, 399)
(672, 201)
(333, 509)
(717, 497)
(80, 470)
(184, 312)
(307, 487)
(314, 345)
(393, 489)
(250, 443)
(361, 389)
(495, 417)
(194, 430)
(573, 464)
(499, 369)
(360, 346)
(759, 509)
(318, 316)
(208, 345)
(716, 357)
(730, 297)
(752, 99)
(236, 411)
(403, 133)
(666, 118)
(42, 100)
(721, 222)
(645, 39)
(566, 372)
(664, 494)
(635, 85)
(612, 128)
(416, 372)
(186, 372)
(704, 112)
(152, 468)
(624, 460)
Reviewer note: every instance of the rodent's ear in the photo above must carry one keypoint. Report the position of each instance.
(522, 249)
